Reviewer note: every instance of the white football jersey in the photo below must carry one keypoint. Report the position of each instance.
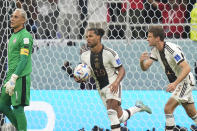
(103, 65)
(170, 58)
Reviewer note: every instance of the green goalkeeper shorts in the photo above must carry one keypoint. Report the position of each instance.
(21, 94)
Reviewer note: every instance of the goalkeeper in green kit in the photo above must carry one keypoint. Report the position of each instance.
(16, 89)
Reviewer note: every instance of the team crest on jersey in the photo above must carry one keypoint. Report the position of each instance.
(96, 63)
(26, 40)
(118, 61)
(177, 58)
(14, 41)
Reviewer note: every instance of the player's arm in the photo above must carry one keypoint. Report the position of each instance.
(115, 85)
(121, 74)
(178, 57)
(23, 61)
(24, 53)
(185, 70)
(117, 64)
(145, 61)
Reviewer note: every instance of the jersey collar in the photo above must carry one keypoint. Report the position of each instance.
(99, 51)
(18, 31)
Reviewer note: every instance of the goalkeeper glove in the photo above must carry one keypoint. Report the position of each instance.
(10, 85)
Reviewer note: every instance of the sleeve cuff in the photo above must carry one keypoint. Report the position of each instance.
(153, 59)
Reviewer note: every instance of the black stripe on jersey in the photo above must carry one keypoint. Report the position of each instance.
(191, 81)
(180, 61)
(153, 59)
(179, 48)
(169, 48)
(183, 90)
(168, 70)
(110, 50)
(98, 67)
(23, 97)
(182, 55)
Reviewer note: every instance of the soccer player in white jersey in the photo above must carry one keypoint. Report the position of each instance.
(177, 69)
(108, 72)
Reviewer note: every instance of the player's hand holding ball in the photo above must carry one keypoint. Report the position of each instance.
(82, 73)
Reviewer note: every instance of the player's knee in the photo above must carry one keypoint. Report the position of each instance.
(190, 113)
(190, 109)
(111, 112)
(113, 104)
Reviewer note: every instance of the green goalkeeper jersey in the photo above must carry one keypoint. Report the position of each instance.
(19, 54)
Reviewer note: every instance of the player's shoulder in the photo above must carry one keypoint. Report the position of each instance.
(26, 33)
(85, 52)
(172, 47)
(84, 48)
(109, 51)
(85, 56)
(154, 49)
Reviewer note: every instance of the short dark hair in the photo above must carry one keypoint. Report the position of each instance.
(157, 31)
(98, 31)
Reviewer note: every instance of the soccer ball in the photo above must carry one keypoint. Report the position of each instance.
(82, 72)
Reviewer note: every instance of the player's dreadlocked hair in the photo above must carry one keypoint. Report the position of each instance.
(98, 31)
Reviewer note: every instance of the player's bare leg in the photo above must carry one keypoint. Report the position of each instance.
(124, 115)
(169, 109)
(191, 111)
(127, 113)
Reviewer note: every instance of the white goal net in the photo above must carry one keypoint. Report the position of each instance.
(58, 103)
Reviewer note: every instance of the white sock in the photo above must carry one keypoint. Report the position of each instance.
(170, 123)
(125, 116)
(194, 118)
(134, 110)
(115, 123)
(128, 113)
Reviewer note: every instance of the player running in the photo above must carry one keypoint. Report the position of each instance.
(108, 72)
(177, 69)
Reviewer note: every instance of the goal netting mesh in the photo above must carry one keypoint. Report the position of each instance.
(58, 103)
